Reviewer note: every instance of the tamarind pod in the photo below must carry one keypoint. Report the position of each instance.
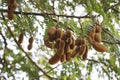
(10, 1)
(60, 51)
(99, 47)
(84, 56)
(98, 28)
(31, 39)
(69, 41)
(68, 34)
(62, 44)
(12, 4)
(82, 49)
(30, 46)
(57, 43)
(98, 37)
(82, 41)
(59, 33)
(21, 37)
(54, 59)
(51, 38)
(90, 39)
(64, 37)
(78, 42)
(63, 58)
(73, 43)
(68, 56)
(48, 43)
(67, 48)
(91, 35)
(51, 31)
(10, 15)
(75, 51)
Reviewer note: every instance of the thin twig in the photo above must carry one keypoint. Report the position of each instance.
(46, 14)
(4, 49)
(53, 5)
(25, 51)
(51, 69)
(106, 72)
(117, 40)
(110, 42)
(108, 33)
(81, 27)
(5, 42)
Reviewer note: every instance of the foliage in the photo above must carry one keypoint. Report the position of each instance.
(35, 17)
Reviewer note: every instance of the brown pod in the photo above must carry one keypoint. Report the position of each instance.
(64, 36)
(68, 56)
(75, 51)
(48, 43)
(62, 44)
(21, 37)
(98, 28)
(82, 41)
(59, 33)
(78, 42)
(63, 58)
(91, 40)
(67, 48)
(99, 47)
(30, 46)
(84, 56)
(12, 5)
(98, 37)
(10, 2)
(10, 15)
(54, 59)
(91, 35)
(73, 44)
(60, 51)
(57, 43)
(52, 38)
(51, 31)
(82, 49)
(68, 34)
(31, 39)
(69, 41)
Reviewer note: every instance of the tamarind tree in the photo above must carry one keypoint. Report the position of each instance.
(36, 37)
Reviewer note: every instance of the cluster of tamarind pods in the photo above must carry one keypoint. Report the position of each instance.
(21, 38)
(65, 45)
(63, 42)
(95, 39)
(12, 5)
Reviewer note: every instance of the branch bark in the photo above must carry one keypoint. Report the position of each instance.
(46, 14)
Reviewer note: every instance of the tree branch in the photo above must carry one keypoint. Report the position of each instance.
(110, 42)
(25, 51)
(3, 60)
(113, 37)
(46, 14)
(5, 42)
(51, 69)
